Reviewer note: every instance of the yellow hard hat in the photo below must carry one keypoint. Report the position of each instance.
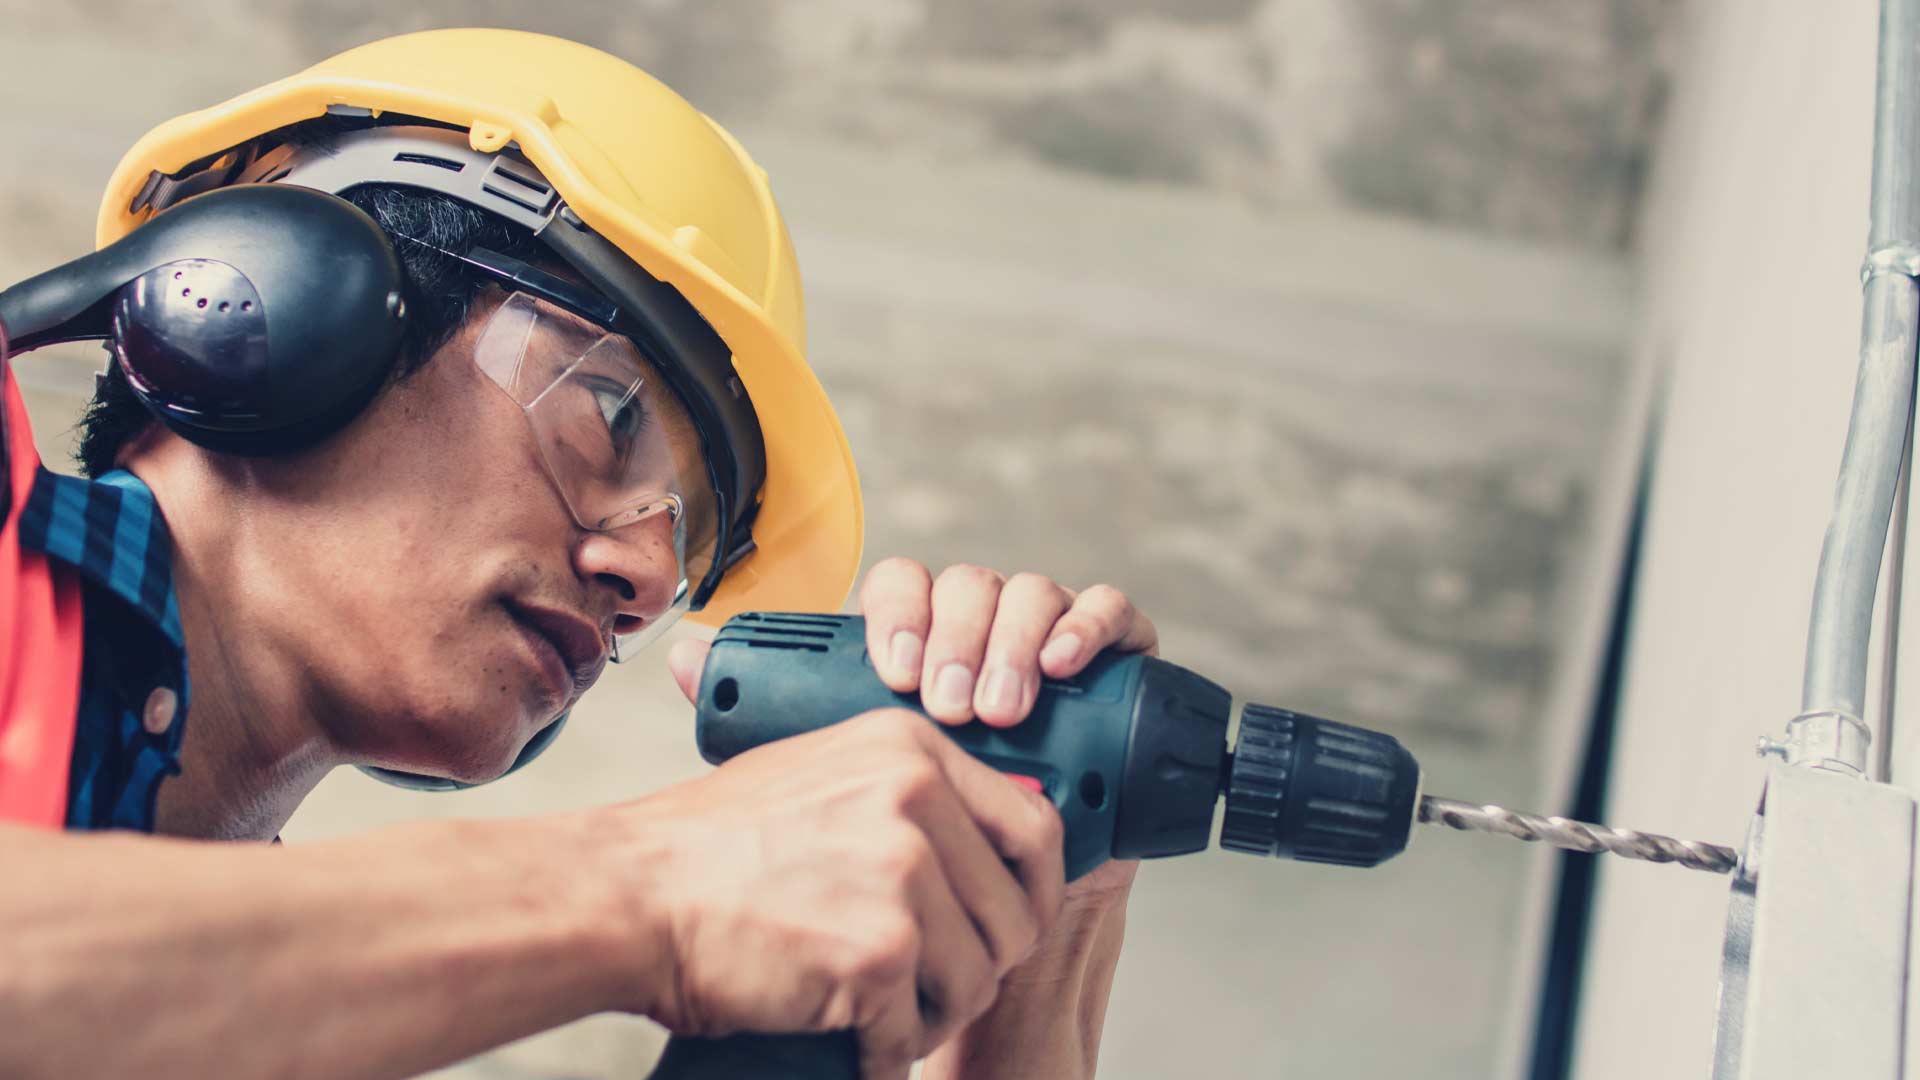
(652, 175)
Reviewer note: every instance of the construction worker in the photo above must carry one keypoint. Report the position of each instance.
(441, 371)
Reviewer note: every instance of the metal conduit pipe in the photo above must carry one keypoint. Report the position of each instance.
(1829, 732)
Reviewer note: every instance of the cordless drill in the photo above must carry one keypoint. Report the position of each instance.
(1132, 751)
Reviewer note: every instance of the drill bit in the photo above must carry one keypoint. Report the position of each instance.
(1577, 835)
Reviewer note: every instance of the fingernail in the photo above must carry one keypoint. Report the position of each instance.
(1061, 650)
(906, 652)
(952, 689)
(1003, 690)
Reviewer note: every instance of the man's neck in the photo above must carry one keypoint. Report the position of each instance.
(251, 752)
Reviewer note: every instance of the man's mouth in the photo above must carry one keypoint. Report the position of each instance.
(573, 648)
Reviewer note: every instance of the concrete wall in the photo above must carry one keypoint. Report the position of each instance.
(1529, 118)
(1750, 250)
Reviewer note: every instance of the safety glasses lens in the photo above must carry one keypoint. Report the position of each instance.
(618, 443)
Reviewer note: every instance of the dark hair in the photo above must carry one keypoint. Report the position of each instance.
(440, 291)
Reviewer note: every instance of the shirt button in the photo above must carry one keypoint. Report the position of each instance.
(157, 717)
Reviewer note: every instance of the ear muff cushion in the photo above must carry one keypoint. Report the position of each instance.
(266, 442)
(297, 320)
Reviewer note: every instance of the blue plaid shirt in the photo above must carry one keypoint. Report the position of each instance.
(111, 531)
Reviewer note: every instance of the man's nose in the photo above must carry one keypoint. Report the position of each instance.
(638, 563)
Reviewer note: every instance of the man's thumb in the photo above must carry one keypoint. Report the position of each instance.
(685, 660)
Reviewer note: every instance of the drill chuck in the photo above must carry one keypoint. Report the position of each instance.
(1299, 787)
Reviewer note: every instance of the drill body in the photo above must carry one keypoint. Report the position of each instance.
(1132, 751)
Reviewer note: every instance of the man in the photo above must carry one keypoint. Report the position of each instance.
(592, 416)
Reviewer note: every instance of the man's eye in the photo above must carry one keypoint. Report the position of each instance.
(622, 412)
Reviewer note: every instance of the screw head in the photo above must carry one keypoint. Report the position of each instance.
(1768, 747)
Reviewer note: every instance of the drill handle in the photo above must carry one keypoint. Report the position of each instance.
(833, 1056)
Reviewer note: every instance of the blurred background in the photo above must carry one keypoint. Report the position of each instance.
(1305, 322)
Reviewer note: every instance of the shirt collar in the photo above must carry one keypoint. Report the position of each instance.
(110, 529)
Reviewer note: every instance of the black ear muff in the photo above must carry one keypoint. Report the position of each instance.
(255, 319)
(422, 782)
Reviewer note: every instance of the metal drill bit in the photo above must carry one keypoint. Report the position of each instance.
(1577, 835)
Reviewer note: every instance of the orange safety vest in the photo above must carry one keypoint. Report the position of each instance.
(40, 646)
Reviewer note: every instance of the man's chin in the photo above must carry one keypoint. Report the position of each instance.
(456, 756)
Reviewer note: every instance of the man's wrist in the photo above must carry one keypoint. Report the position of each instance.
(1085, 929)
(616, 936)
(1047, 1017)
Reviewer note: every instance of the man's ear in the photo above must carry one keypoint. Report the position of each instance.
(163, 458)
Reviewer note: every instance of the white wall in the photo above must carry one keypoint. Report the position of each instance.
(1750, 249)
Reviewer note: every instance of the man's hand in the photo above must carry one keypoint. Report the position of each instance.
(977, 644)
(871, 875)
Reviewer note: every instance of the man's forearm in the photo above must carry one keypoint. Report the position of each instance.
(1047, 1018)
(381, 955)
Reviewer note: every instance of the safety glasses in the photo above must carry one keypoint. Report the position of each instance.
(617, 443)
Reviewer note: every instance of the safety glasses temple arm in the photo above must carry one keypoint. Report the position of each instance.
(525, 277)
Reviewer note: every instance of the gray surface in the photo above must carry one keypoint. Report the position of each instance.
(1826, 951)
(1342, 459)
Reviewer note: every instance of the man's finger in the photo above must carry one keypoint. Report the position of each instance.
(891, 1039)
(1000, 911)
(1101, 618)
(685, 661)
(896, 600)
(1023, 827)
(1030, 604)
(957, 976)
(964, 598)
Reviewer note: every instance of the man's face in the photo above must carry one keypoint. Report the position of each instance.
(438, 591)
